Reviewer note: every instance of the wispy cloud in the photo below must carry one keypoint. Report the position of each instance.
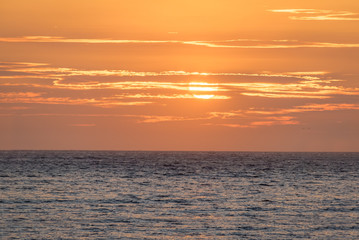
(158, 119)
(311, 85)
(276, 114)
(254, 124)
(270, 117)
(251, 118)
(227, 43)
(162, 96)
(36, 98)
(321, 107)
(19, 94)
(41, 70)
(319, 14)
(82, 125)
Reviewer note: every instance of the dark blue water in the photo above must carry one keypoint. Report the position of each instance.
(178, 195)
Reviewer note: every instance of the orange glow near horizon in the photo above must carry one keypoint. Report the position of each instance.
(179, 75)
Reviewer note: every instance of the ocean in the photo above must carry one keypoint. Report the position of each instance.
(178, 195)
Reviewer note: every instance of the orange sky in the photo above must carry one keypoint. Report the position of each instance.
(261, 75)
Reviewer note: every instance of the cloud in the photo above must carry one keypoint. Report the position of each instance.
(319, 14)
(310, 85)
(266, 122)
(34, 98)
(252, 121)
(162, 118)
(173, 96)
(319, 89)
(230, 125)
(324, 107)
(271, 123)
(83, 125)
(19, 94)
(276, 114)
(250, 118)
(307, 108)
(45, 71)
(268, 117)
(228, 43)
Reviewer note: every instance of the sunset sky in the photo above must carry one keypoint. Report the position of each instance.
(261, 75)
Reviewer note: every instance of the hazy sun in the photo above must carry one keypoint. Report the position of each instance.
(203, 96)
(203, 87)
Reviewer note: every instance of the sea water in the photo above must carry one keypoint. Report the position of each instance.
(178, 195)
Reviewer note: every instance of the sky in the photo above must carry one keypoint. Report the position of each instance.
(214, 75)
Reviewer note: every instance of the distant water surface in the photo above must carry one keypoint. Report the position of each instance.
(178, 195)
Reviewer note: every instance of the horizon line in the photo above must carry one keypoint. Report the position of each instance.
(114, 150)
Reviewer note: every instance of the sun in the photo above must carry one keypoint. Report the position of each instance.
(203, 96)
(203, 87)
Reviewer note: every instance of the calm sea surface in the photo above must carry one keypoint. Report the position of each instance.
(178, 195)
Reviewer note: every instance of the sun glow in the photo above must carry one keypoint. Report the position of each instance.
(203, 87)
(203, 96)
